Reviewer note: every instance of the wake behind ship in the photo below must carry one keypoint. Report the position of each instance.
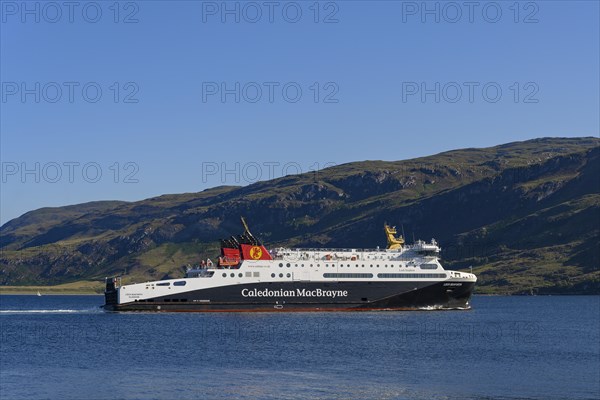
(248, 277)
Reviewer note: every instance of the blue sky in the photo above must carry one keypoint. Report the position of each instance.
(197, 94)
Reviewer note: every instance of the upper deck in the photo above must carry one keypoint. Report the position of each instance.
(418, 250)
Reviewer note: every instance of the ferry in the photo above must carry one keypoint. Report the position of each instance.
(248, 277)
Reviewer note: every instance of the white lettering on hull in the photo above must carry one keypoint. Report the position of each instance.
(291, 293)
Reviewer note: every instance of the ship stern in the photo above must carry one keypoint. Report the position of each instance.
(111, 294)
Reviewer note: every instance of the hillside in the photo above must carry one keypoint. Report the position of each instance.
(524, 215)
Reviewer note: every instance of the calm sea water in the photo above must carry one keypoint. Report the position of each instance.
(65, 347)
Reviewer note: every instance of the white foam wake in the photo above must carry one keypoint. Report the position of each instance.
(57, 311)
(433, 308)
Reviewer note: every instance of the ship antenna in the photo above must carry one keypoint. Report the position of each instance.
(402, 225)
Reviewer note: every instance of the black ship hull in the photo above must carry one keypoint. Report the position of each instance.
(307, 296)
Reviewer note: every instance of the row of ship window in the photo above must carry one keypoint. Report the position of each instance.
(249, 274)
(178, 283)
(422, 266)
(406, 276)
(349, 275)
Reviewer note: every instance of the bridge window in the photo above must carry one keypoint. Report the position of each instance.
(179, 283)
(163, 284)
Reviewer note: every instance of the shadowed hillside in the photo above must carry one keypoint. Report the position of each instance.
(524, 215)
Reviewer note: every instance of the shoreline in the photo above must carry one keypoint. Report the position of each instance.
(74, 288)
(63, 292)
(96, 288)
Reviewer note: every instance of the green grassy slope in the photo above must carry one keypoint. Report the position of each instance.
(524, 215)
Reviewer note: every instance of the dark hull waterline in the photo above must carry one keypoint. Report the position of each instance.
(359, 296)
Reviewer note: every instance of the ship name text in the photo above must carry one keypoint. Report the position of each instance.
(294, 293)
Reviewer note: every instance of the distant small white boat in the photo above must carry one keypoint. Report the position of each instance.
(38, 293)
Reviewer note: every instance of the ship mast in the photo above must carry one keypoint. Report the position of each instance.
(245, 226)
(247, 237)
(393, 243)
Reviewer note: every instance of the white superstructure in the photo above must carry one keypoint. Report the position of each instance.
(418, 262)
